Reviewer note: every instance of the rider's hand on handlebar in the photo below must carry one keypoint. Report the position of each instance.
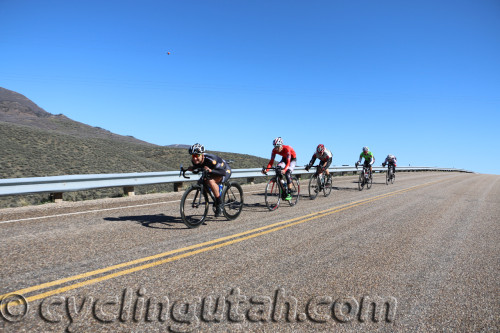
(308, 167)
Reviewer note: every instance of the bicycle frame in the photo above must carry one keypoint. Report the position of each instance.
(279, 179)
(203, 187)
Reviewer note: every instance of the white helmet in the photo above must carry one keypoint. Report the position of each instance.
(365, 149)
(278, 141)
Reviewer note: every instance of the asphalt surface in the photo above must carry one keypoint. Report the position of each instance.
(420, 255)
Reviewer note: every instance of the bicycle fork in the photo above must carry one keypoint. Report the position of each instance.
(196, 204)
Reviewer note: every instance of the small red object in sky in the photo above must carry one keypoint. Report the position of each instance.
(168, 53)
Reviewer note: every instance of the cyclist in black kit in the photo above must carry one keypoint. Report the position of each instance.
(219, 171)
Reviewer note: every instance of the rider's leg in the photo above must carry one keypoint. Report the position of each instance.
(326, 165)
(214, 186)
(288, 174)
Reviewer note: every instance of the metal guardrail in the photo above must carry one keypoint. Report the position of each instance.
(60, 184)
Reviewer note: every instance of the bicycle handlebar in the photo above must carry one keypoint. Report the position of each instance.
(183, 172)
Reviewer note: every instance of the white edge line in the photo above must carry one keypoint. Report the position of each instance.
(87, 211)
(96, 210)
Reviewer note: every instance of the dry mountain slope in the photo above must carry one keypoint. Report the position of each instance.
(36, 143)
(17, 109)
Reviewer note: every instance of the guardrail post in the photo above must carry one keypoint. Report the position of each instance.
(129, 190)
(178, 186)
(251, 180)
(56, 197)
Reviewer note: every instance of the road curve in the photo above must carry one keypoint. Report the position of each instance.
(422, 254)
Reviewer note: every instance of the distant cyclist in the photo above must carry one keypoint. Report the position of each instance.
(287, 164)
(369, 159)
(392, 161)
(218, 171)
(325, 159)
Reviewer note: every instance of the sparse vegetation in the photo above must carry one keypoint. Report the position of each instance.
(32, 152)
(35, 143)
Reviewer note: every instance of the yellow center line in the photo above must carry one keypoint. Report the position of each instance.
(234, 239)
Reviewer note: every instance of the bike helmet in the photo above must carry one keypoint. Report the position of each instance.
(278, 142)
(390, 156)
(320, 149)
(365, 149)
(196, 149)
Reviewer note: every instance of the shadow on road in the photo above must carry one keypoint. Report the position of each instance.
(338, 188)
(160, 221)
(255, 207)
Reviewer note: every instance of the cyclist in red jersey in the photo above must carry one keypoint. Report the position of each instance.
(287, 164)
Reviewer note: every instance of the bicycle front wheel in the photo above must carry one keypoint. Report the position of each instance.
(313, 187)
(194, 207)
(387, 177)
(295, 191)
(393, 177)
(273, 194)
(232, 197)
(361, 182)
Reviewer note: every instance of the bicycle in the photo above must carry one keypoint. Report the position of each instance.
(365, 178)
(390, 176)
(319, 182)
(195, 202)
(276, 189)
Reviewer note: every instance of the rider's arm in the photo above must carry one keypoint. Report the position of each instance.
(373, 159)
(270, 164)
(312, 160)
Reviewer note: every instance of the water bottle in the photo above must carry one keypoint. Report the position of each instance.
(220, 189)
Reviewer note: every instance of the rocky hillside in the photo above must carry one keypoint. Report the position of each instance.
(36, 143)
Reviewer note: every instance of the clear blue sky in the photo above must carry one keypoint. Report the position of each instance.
(417, 79)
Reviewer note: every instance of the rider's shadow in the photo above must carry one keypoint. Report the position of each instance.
(338, 188)
(255, 207)
(159, 221)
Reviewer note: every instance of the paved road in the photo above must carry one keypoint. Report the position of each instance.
(421, 255)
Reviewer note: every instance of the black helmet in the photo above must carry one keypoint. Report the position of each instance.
(196, 149)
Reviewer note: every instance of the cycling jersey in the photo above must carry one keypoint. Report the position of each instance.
(326, 156)
(391, 159)
(288, 155)
(218, 166)
(369, 158)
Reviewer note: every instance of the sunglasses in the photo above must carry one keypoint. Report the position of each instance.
(196, 155)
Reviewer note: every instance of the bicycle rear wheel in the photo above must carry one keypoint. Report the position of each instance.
(273, 194)
(327, 189)
(295, 191)
(313, 187)
(232, 197)
(193, 210)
